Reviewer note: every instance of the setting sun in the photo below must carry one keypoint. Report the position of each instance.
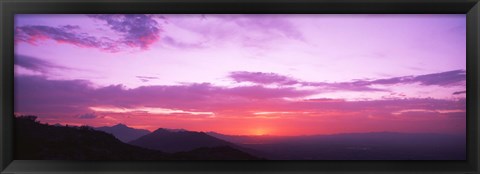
(260, 131)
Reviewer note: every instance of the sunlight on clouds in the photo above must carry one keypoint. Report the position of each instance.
(149, 110)
(273, 113)
(426, 110)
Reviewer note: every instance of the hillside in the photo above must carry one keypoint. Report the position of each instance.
(36, 141)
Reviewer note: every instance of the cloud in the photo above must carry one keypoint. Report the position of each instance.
(35, 94)
(143, 30)
(262, 78)
(147, 110)
(440, 79)
(87, 116)
(268, 24)
(182, 45)
(71, 27)
(260, 92)
(251, 30)
(146, 78)
(35, 64)
(65, 34)
(343, 86)
(459, 92)
(40, 96)
(138, 30)
(428, 111)
(448, 78)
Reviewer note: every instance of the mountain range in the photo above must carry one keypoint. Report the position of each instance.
(123, 132)
(351, 146)
(37, 141)
(41, 141)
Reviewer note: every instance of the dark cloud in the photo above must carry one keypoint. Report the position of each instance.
(35, 64)
(65, 34)
(448, 78)
(138, 30)
(71, 27)
(87, 116)
(440, 79)
(36, 95)
(459, 92)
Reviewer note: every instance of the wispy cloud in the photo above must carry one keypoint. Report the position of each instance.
(35, 64)
(250, 31)
(262, 78)
(146, 78)
(181, 45)
(267, 24)
(147, 110)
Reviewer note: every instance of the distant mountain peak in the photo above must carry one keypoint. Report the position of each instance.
(177, 140)
(164, 130)
(178, 130)
(121, 125)
(160, 130)
(123, 132)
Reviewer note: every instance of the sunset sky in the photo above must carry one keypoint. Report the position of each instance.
(244, 74)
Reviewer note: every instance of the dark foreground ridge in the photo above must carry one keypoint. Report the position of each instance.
(36, 141)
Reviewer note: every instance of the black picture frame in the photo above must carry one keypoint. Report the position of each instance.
(9, 8)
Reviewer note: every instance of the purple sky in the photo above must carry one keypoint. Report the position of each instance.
(219, 66)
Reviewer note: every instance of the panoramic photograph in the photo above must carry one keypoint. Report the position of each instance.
(240, 87)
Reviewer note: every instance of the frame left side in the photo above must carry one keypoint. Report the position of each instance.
(6, 86)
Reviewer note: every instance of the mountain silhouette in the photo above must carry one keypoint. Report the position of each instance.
(178, 141)
(123, 132)
(36, 141)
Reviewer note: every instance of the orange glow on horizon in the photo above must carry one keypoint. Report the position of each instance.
(259, 132)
